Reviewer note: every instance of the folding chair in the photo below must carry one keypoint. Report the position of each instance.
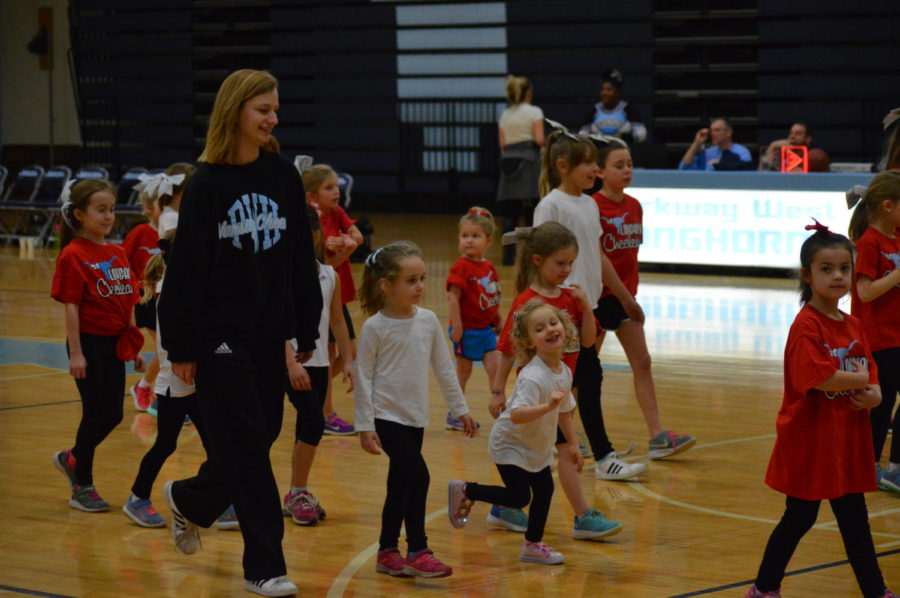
(45, 204)
(91, 172)
(19, 195)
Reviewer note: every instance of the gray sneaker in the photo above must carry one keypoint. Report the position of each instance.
(61, 462)
(86, 498)
(668, 443)
(184, 533)
(142, 512)
(888, 480)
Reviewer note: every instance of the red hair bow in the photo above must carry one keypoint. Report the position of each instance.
(480, 212)
(818, 227)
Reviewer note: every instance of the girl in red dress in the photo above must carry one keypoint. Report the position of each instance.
(98, 288)
(824, 442)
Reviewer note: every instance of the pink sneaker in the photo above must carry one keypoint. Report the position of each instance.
(142, 397)
(390, 561)
(889, 594)
(538, 552)
(458, 504)
(754, 593)
(423, 564)
(302, 508)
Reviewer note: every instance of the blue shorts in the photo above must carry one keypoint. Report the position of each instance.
(475, 343)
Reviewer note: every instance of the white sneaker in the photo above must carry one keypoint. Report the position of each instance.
(614, 468)
(275, 586)
(184, 533)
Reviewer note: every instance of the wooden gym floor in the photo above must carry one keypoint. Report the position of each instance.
(695, 525)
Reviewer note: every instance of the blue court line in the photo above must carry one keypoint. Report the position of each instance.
(798, 572)
(44, 354)
(33, 592)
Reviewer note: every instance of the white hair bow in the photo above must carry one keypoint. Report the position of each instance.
(561, 128)
(303, 163)
(521, 233)
(65, 198)
(157, 185)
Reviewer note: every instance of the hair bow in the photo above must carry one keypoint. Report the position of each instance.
(157, 185)
(316, 208)
(521, 233)
(480, 212)
(372, 260)
(303, 163)
(65, 199)
(818, 227)
(562, 129)
(854, 195)
(890, 119)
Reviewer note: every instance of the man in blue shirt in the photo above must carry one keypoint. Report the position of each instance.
(722, 154)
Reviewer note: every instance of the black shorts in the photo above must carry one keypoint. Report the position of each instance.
(349, 321)
(560, 437)
(610, 313)
(145, 314)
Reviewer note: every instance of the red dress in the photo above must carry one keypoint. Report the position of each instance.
(623, 233)
(824, 447)
(876, 256)
(565, 302)
(480, 300)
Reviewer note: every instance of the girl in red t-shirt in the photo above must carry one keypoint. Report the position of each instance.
(824, 438)
(621, 218)
(473, 291)
(544, 263)
(876, 302)
(95, 282)
(341, 238)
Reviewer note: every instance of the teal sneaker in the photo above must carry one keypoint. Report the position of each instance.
(515, 520)
(594, 525)
(142, 512)
(668, 443)
(888, 480)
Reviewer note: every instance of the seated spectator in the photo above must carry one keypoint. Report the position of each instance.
(799, 134)
(612, 115)
(723, 154)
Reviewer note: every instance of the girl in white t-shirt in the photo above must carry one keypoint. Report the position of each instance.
(397, 344)
(308, 386)
(523, 437)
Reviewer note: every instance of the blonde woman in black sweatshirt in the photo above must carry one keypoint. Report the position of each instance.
(241, 280)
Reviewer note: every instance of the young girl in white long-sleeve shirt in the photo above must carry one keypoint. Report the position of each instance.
(396, 346)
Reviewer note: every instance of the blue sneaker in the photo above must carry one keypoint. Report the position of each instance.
(594, 525)
(142, 512)
(454, 423)
(152, 408)
(515, 520)
(889, 480)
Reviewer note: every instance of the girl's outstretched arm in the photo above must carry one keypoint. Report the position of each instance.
(870, 290)
(77, 362)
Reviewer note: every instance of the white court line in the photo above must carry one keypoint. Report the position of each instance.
(342, 580)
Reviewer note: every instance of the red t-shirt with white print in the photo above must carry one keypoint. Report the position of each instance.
(876, 256)
(479, 303)
(140, 245)
(334, 224)
(99, 279)
(565, 302)
(824, 448)
(623, 233)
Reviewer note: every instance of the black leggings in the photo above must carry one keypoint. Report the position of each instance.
(888, 362)
(407, 485)
(589, 379)
(799, 516)
(310, 422)
(170, 412)
(522, 487)
(102, 392)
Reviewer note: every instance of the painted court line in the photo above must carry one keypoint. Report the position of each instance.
(32, 375)
(39, 405)
(28, 592)
(788, 574)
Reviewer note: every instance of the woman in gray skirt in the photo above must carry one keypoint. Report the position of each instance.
(521, 138)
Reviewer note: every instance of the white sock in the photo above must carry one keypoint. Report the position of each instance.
(143, 383)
